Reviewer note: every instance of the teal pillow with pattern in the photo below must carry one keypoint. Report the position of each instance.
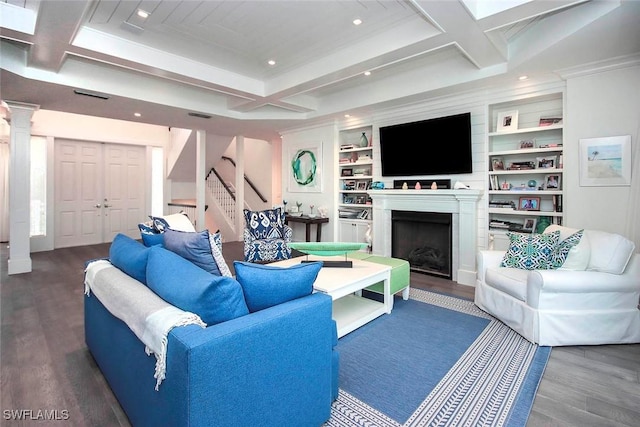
(559, 255)
(530, 251)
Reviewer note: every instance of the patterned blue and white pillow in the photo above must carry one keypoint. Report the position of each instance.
(559, 255)
(150, 236)
(530, 251)
(267, 224)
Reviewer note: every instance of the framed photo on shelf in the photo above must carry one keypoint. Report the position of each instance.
(497, 164)
(529, 203)
(529, 225)
(552, 181)
(349, 185)
(364, 214)
(507, 121)
(362, 185)
(605, 161)
(348, 200)
(346, 172)
(548, 162)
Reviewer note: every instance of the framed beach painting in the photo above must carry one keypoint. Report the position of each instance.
(605, 161)
(305, 167)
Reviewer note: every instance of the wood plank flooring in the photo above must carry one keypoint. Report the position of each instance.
(45, 365)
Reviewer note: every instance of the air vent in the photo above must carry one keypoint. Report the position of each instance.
(91, 94)
(201, 115)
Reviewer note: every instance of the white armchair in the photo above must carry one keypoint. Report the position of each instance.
(593, 300)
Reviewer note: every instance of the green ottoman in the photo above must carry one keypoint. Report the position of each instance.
(400, 273)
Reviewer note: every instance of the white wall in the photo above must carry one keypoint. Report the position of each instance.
(598, 105)
(326, 135)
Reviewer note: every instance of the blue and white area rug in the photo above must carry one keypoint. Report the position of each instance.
(436, 360)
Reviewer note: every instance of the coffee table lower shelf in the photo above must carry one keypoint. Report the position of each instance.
(351, 311)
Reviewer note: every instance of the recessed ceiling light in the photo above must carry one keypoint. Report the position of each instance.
(271, 62)
(367, 73)
(137, 114)
(357, 21)
(523, 77)
(142, 14)
(347, 115)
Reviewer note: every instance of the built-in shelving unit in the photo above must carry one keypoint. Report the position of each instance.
(525, 163)
(355, 169)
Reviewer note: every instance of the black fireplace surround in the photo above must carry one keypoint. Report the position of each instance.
(423, 239)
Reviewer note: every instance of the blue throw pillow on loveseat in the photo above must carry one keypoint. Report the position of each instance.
(215, 299)
(129, 256)
(265, 286)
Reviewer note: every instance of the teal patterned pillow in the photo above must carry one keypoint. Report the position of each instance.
(530, 251)
(559, 255)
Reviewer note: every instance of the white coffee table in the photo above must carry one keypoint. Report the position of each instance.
(350, 311)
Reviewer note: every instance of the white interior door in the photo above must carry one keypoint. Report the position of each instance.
(124, 195)
(99, 192)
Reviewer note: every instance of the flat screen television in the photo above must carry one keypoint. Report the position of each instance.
(440, 146)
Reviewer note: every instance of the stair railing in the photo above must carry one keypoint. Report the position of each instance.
(247, 180)
(222, 193)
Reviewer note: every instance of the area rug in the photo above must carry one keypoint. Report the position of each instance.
(436, 360)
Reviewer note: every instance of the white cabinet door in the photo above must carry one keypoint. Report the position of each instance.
(353, 231)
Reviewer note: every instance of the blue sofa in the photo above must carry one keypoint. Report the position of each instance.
(272, 367)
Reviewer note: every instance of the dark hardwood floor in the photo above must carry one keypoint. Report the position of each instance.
(45, 364)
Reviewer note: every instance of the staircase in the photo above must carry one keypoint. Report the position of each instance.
(220, 192)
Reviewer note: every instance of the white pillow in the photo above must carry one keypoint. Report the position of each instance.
(177, 222)
(579, 255)
(610, 252)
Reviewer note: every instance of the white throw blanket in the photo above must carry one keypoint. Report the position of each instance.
(148, 316)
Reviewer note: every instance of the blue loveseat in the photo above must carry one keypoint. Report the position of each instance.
(274, 366)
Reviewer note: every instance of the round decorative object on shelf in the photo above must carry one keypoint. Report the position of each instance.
(532, 183)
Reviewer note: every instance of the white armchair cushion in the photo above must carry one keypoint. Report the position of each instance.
(578, 257)
(610, 253)
(512, 281)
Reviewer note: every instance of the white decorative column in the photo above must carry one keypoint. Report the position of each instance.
(460, 203)
(201, 175)
(19, 187)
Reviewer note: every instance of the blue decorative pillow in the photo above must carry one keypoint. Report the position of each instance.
(215, 299)
(559, 255)
(267, 224)
(150, 236)
(130, 256)
(198, 247)
(530, 251)
(265, 286)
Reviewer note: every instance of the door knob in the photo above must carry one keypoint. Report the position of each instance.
(107, 206)
(98, 205)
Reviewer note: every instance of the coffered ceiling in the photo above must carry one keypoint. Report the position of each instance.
(211, 57)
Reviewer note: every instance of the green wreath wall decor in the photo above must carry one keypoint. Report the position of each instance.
(304, 166)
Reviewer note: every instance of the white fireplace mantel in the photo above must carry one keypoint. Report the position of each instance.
(460, 203)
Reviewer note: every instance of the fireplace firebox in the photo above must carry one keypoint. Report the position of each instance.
(424, 239)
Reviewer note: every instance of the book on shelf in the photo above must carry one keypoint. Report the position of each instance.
(522, 166)
(557, 203)
(548, 121)
(507, 204)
